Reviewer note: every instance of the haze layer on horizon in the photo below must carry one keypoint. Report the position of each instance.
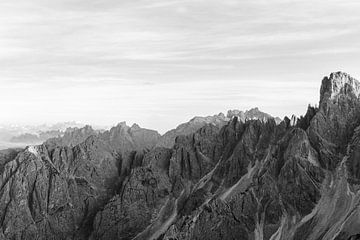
(159, 63)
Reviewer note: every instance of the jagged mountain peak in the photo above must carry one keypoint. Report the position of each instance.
(220, 116)
(234, 112)
(124, 126)
(135, 126)
(338, 84)
(121, 124)
(255, 109)
(73, 136)
(218, 120)
(251, 114)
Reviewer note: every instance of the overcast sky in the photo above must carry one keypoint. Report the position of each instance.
(158, 63)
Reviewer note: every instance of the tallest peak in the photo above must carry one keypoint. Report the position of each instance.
(339, 74)
(341, 78)
(338, 84)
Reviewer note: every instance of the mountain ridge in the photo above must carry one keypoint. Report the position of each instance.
(34, 135)
(252, 179)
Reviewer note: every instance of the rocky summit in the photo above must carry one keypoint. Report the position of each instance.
(244, 176)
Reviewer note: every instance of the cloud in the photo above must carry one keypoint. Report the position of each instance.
(72, 54)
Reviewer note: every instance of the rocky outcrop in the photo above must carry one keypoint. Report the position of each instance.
(304, 121)
(333, 125)
(196, 154)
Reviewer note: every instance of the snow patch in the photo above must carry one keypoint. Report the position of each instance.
(33, 150)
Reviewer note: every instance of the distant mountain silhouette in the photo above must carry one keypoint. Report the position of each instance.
(168, 139)
(23, 135)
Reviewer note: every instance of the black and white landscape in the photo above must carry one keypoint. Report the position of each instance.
(245, 175)
(179, 120)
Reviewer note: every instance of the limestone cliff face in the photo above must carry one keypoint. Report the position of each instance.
(243, 179)
(339, 114)
(338, 87)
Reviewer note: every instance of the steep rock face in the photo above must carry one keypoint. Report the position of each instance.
(54, 193)
(332, 127)
(6, 156)
(298, 173)
(335, 216)
(339, 86)
(146, 190)
(353, 162)
(196, 154)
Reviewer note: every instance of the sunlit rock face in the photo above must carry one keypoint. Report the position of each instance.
(250, 179)
(339, 114)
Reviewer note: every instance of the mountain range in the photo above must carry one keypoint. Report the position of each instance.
(245, 176)
(21, 136)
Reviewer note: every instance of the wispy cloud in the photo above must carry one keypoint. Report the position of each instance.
(58, 53)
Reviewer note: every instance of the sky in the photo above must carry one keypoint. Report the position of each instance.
(158, 63)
